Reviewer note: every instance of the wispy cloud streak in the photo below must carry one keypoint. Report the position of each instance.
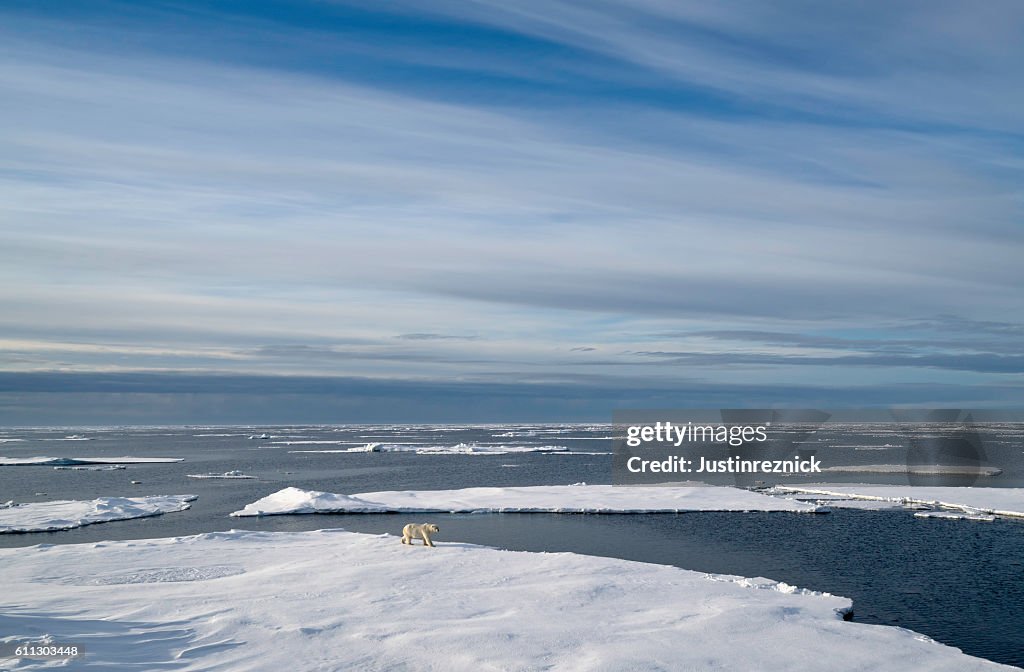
(464, 190)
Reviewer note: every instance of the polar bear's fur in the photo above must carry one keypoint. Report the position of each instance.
(419, 531)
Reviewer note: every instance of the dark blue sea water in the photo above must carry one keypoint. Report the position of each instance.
(960, 582)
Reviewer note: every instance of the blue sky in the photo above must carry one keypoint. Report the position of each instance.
(484, 211)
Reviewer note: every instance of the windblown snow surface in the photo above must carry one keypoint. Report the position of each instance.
(528, 499)
(335, 600)
(69, 514)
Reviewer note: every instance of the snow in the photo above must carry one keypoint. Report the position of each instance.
(990, 501)
(234, 474)
(847, 503)
(336, 600)
(70, 461)
(69, 514)
(93, 467)
(530, 499)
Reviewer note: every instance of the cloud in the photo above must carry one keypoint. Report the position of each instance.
(754, 187)
(435, 337)
(981, 363)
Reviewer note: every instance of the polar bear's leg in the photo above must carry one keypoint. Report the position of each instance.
(426, 539)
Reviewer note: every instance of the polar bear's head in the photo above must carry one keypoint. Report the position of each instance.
(432, 528)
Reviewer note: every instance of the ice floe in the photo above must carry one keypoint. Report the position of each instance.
(72, 461)
(955, 515)
(228, 475)
(311, 442)
(457, 449)
(483, 449)
(918, 469)
(69, 514)
(527, 499)
(847, 503)
(329, 599)
(1007, 502)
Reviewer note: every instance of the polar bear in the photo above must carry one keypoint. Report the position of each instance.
(419, 531)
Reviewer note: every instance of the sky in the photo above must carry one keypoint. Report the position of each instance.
(223, 212)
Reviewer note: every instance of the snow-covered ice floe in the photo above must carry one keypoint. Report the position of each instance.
(840, 502)
(918, 469)
(336, 600)
(93, 467)
(955, 515)
(69, 514)
(529, 499)
(1007, 502)
(227, 475)
(71, 461)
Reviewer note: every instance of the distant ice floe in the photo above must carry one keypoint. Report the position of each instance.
(1007, 502)
(559, 434)
(579, 452)
(918, 469)
(955, 515)
(207, 602)
(457, 449)
(227, 475)
(580, 498)
(262, 436)
(73, 461)
(92, 467)
(484, 449)
(69, 514)
(312, 442)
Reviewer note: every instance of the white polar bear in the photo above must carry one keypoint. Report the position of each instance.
(419, 531)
